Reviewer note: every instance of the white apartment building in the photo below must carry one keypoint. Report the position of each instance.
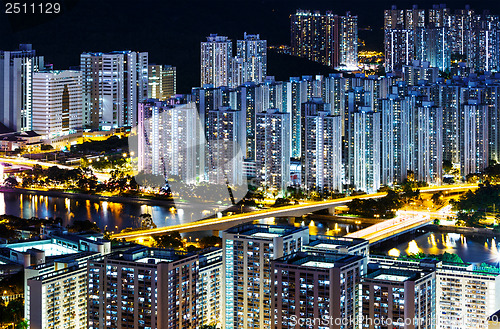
(113, 85)
(216, 58)
(57, 103)
(246, 274)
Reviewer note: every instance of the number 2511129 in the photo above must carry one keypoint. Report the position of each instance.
(32, 8)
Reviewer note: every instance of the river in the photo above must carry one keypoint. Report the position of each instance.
(472, 248)
(115, 216)
(112, 216)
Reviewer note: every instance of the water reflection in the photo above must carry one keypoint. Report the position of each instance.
(116, 216)
(472, 249)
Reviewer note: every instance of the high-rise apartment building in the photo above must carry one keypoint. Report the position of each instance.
(396, 298)
(437, 34)
(168, 137)
(411, 124)
(317, 285)
(449, 101)
(162, 81)
(247, 276)
(216, 57)
(208, 294)
(473, 137)
(209, 98)
(225, 146)
(325, 38)
(249, 102)
(367, 143)
(399, 36)
(296, 93)
(55, 284)
(464, 296)
(393, 156)
(419, 72)
(338, 245)
(253, 52)
(143, 288)
(348, 41)
(113, 86)
(272, 159)
(57, 103)
(483, 43)
(428, 141)
(16, 75)
(321, 148)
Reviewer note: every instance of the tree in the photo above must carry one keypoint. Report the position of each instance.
(469, 219)
(315, 196)
(36, 172)
(16, 309)
(208, 326)
(408, 192)
(7, 232)
(192, 248)
(451, 258)
(80, 226)
(380, 71)
(210, 241)
(280, 202)
(147, 222)
(447, 166)
(169, 241)
(11, 181)
(437, 198)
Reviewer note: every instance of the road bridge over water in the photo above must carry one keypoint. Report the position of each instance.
(287, 211)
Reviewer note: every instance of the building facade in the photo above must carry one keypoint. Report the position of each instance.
(16, 86)
(327, 38)
(167, 140)
(162, 81)
(316, 285)
(273, 149)
(216, 57)
(57, 103)
(246, 289)
(113, 86)
(253, 52)
(143, 288)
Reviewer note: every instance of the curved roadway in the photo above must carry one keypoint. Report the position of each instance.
(293, 210)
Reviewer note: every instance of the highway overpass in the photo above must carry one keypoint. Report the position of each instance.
(404, 222)
(287, 211)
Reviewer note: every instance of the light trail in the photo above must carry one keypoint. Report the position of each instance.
(205, 224)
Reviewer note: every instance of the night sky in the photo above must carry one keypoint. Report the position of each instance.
(172, 30)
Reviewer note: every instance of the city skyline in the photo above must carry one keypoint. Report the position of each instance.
(267, 165)
(192, 22)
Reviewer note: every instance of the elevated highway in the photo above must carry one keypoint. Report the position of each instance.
(287, 211)
(404, 222)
